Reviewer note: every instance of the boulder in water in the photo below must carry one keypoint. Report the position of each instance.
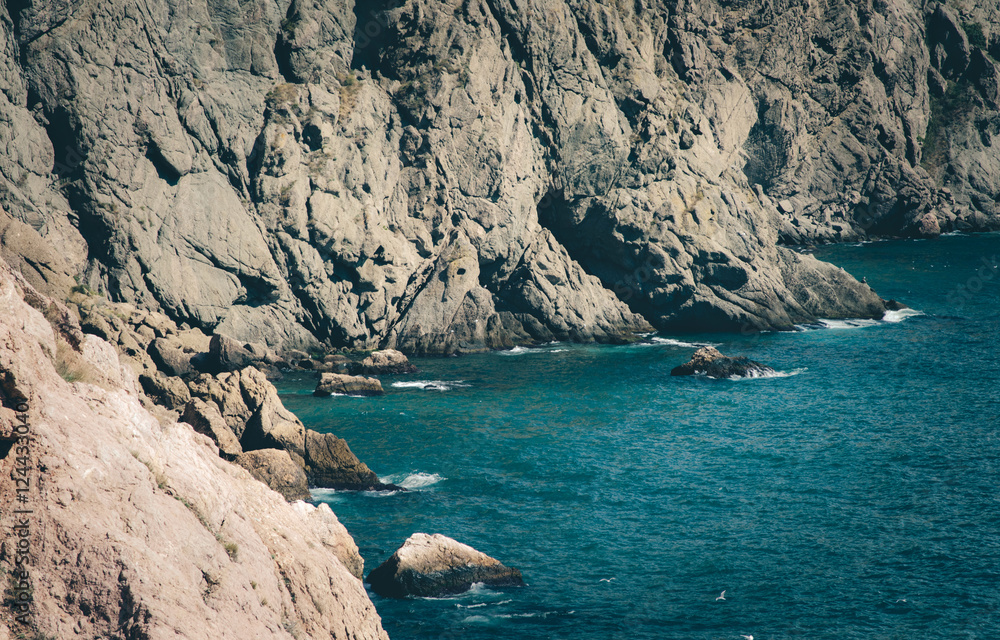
(435, 565)
(708, 361)
(385, 362)
(331, 383)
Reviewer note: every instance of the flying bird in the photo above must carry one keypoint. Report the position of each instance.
(746, 637)
(722, 596)
(606, 579)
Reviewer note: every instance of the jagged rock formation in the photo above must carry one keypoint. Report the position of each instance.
(138, 528)
(455, 176)
(435, 565)
(276, 469)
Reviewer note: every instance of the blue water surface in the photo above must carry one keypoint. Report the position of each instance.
(856, 496)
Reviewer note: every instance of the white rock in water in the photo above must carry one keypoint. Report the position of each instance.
(433, 565)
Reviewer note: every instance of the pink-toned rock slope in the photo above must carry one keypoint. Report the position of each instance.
(137, 528)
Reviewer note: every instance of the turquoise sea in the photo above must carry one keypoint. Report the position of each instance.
(856, 496)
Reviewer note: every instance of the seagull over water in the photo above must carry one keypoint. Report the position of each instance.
(746, 637)
(722, 596)
(606, 579)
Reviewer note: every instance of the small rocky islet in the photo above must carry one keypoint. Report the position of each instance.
(708, 361)
(429, 566)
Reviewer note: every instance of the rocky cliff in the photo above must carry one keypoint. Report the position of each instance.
(120, 525)
(461, 175)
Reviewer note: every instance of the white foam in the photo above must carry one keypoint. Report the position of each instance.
(480, 588)
(324, 495)
(417, 480)
(900, 315)
(476, 619)
(851, 323)
(379, 494)
(763, 375)
(483, 604)
(431, 385)
(656, 340)
(859, 323)
(516, 351)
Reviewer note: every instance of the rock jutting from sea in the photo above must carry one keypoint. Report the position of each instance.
(707, 361)
(435, 565)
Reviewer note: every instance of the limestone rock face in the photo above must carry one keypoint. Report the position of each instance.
(276, 469)
(435, 565)
(708, 361)
(473, 175)
(226, 354)
(146, 532)
(331, 383)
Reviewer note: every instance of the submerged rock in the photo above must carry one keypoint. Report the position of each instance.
(434, 565)
(385, 362)
(331, 383)
(708, 361)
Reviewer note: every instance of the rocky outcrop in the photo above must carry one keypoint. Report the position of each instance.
(435, 565)
(276, 469)
(138, 528)
(331, 463)
(385, 362)
(337, 383)
(206, 419)
(226, 354)
(707, 361)
(480, 174)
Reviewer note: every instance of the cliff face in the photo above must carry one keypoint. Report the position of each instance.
(132, 528)
(442, 176)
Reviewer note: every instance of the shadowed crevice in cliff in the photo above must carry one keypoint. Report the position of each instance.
(577, 233)
(164, 169)
(372, 33)
(14, 8)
